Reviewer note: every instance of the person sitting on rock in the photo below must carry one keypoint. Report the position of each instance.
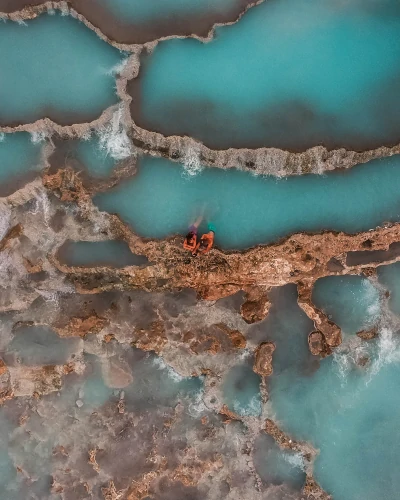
(206, 242)
(190, 241)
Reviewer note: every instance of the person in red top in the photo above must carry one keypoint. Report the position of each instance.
(190, 241)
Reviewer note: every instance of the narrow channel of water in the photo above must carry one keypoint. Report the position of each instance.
(246, 210)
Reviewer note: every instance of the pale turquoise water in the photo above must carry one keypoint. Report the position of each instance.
(275, 466)
(95, 159)
(100, 253)
(389, 276)
(348, 412)
(155, 383)
(247, 210)
(18, 156)
(241, 390)
(290, 74)
(138, 11)
(352, 302)
(89, 154)
(67, 71)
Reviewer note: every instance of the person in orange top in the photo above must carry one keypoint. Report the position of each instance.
(190, 241)
(206, 242)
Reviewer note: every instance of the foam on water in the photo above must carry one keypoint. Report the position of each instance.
(113, 138)
(241, 390)
(347, 408)
(272, 87)
(278, 467)
(65, 71)
(389, 277)
(161, 200)
(352, 302)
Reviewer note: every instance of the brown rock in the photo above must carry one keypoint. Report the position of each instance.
(13, 233)
(66, 185)
(79, 327)
(368, 334)
(279, 436)
(256, 306)
(151, 339)
(3, 367)
(237, 338)
(263, 359)
(228, 415)
(317, 344)
(31, 267)
(313, 490)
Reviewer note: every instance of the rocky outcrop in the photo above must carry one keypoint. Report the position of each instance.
(263, 359)
(329, 334)
(313, 490)
(82, 326)
(256, 305)
(368, 334)
(317, 344)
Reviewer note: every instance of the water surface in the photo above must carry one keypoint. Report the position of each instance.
(161, 200)
(352, 302)
(19, 160)
(67, 71)
(99, 253)
(291, 74)
(348, 412)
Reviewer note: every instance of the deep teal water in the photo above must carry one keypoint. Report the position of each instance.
(67, 71)
(100, 253)
(290, 74)
(349, 413)
(95, 159)
(275, 466)
(352, 302)
(18, 156)
(247, 210)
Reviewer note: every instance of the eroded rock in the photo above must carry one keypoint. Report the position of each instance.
(263, 359)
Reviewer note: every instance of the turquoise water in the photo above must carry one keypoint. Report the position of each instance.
(348, 412)
(138, 11)
(389, 276)
(67, 71)
(291, 74)
(84, 156)
(275, 466)
(288, 327)
(352, 302)
(155, 383)
(39, 345)
(18, 156)
(247, 210)
(99, 253)
(241, 390)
